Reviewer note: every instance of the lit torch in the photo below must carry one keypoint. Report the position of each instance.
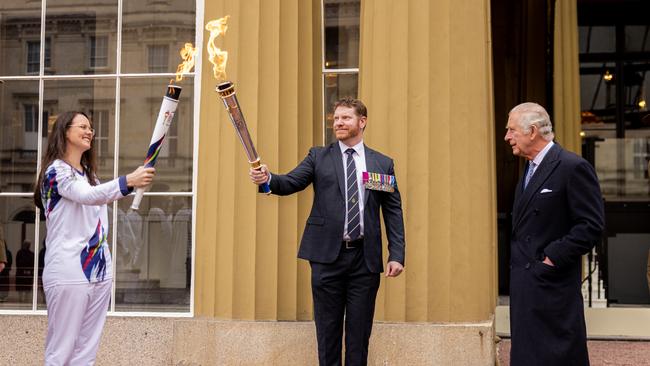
(226, 90)
(166, 115)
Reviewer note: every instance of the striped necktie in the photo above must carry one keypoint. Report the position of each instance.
(354, 223)
(529, 173)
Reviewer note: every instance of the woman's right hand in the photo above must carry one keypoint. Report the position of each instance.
(141, 177)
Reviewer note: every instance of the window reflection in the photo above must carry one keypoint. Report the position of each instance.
(96, 98)
(19, 136)
(17, 233)
(614, 64)
(81, 41)
(141, 99)
(100, 120)
(159, 58)
(84, 36)
(154, 32)
(341, 33)
(98, 51)
(636, 37)
(34, 55)
(20, 34)
(154, 249)
(596, 39)
(337, 86)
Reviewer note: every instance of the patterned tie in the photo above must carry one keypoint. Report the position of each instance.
(354, 223)
(529, 173)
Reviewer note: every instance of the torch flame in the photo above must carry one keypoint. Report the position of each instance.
(187, 54)
(217, 57)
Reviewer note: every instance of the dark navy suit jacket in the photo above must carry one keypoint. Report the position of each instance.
(323, 235)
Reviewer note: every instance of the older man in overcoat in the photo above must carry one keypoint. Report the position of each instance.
(557, 217)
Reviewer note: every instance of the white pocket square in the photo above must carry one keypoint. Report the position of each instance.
(546, 190)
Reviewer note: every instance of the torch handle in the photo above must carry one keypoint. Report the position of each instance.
(265, 187)
(139, 193)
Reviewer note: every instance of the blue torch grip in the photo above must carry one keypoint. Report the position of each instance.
(265, 188)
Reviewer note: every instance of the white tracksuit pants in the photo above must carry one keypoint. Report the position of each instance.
(75, 320)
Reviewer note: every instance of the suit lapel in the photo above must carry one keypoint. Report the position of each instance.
(520, 186)
(337, 160)
(548, 165)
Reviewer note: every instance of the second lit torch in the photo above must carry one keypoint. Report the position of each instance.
(227, 92)
(164, 120)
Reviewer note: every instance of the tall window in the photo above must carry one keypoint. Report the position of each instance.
(30, 130)
(614, 85)
(340, 56)
(34, 55)
(158, 58)
(31, 118)
(102, 69)
(100, 123)
(99, 51)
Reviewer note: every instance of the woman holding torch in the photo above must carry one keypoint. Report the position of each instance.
(77, 276)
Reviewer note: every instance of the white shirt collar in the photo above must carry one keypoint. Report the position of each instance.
(538, 159)
(358, 148)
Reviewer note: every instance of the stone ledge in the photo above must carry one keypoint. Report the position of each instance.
(199, 341)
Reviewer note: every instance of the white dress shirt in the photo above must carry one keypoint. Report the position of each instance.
(540, 156)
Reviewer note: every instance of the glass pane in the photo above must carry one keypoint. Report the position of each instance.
(42, 232)
(96, 98)
(18, 135)
(596, 39)
(153, 32)
(623, 256)
(153, 256)
(20, 32)
(341, 33)
(628, 262)
(158, 58)
(337, 86)
(636, 38)
(17, 231)
(87, 27)
(637, 85)
(598, 103)
(622, 167)
(140, 104)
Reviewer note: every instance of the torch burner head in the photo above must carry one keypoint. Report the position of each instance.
(225, 89)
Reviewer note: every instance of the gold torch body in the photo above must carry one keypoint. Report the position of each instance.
(226, 91)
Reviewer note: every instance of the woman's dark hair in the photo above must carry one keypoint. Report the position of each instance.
(56, 144)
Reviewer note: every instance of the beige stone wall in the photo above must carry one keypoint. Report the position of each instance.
(425, 75)
(184, 342)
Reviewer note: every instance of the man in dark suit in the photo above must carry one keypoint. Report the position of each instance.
(557, 217)
(342, 237)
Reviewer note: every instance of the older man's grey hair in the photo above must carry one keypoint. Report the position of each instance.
(534, 114)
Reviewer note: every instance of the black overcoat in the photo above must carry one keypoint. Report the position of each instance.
(559, 215)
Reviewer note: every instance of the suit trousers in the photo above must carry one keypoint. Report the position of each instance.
(344, 291)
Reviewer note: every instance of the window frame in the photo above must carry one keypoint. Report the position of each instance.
(41, 76)
(325, 72)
